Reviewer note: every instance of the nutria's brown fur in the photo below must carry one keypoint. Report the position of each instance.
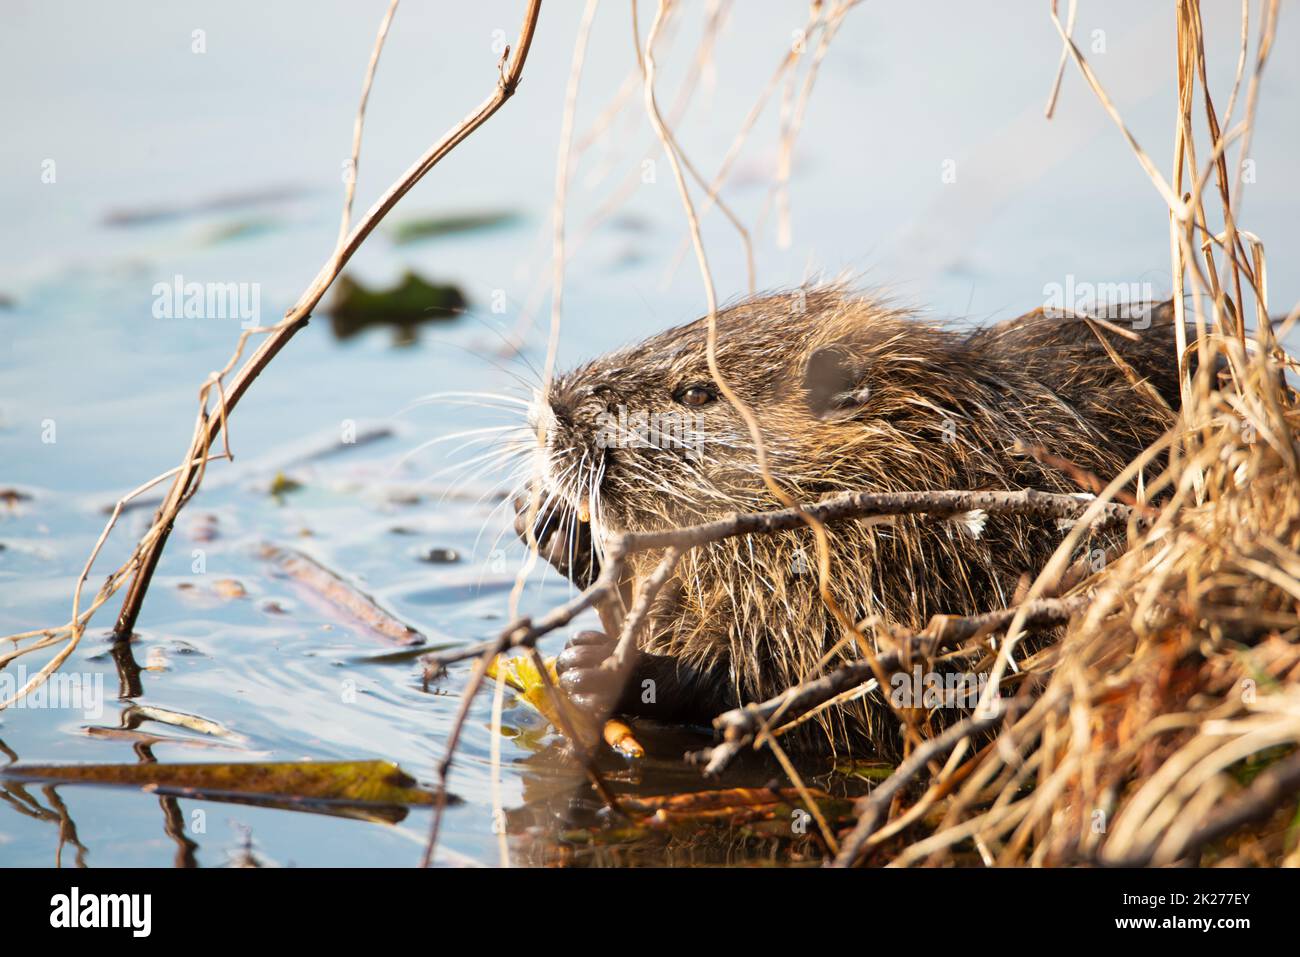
(851, 395)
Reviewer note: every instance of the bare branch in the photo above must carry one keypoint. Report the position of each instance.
(206, 433)
(741, 726)
(523, 632)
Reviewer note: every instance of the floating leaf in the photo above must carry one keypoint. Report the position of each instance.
(867, 770)
(229, 588)
(283, 485)
(519, 673)
(412, 301)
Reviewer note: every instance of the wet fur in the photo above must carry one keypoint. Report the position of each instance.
(850, 395)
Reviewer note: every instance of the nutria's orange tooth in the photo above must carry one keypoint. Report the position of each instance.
(584, 511)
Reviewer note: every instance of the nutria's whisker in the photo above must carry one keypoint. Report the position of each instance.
(490, 462)
(497, 456)
(500, 367)
(456, 395)
(490, 430)
(493, 460)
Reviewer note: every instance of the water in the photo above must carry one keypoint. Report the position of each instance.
(97, 394)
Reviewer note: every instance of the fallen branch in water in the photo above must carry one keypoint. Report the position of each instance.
(296, 318)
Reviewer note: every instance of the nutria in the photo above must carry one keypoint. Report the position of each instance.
(851, 395)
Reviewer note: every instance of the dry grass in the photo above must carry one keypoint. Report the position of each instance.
(1164, 727)
(1178, 682)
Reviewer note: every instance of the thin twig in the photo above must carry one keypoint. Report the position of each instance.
(359, 125)
(524, 632)
(296, 318)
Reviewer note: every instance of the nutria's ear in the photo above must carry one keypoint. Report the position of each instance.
(834, 382)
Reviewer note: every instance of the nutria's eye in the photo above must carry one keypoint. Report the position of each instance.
(695, 395)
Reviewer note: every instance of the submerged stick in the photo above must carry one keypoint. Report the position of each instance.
(339, 593)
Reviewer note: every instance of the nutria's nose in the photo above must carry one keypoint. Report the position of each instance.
(568, 404)
(562, 406)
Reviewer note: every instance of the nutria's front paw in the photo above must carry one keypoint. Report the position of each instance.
(594, 689)
(562, 540)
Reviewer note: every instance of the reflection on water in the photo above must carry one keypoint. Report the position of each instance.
(172, 165)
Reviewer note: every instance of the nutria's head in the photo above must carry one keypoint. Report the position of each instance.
(643, 437)
(849, 394)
